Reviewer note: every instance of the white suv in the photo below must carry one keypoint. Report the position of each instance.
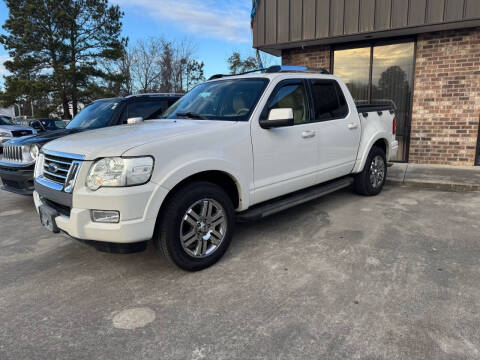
(236, 147)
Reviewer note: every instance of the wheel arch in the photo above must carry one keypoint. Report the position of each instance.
(382, 142)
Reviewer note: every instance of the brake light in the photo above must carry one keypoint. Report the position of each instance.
(394, 125)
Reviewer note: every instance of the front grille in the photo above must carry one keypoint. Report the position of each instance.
(12, 184)
(56, 168)
(18, 133)
(13, 153)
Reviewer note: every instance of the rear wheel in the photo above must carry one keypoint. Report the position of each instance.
(372, 179)
(196, 226)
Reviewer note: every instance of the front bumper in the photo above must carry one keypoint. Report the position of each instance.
(138, 208)
(17, 178)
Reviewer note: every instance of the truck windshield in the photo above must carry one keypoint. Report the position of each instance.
(229, 100)
(5, 120)
(95, 115)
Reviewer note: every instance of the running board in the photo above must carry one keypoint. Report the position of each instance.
(276, 205)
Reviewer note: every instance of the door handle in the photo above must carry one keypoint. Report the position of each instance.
(352, 126)
(308, 134)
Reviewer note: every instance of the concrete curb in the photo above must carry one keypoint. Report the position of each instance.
(446, 178)
(434, 185)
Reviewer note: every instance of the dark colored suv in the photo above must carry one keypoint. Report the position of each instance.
(43, 125)
(19, 156)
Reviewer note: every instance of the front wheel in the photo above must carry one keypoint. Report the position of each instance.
(372, 179)
(196, 227)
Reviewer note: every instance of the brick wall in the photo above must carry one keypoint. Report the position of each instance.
(313, 56)
(446, 103)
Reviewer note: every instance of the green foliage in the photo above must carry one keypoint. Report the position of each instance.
(194, 73)
(57, 47)
(237, 65)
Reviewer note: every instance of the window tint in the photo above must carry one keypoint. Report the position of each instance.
(292, 96)
(147, 109)
(224, 100)
(96, 115)
(328, 99)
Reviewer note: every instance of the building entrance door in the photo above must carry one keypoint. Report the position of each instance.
(380, 74)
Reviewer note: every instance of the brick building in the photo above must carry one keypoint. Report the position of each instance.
(424, 55)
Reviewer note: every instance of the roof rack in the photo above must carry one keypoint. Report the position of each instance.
(154, 94)
(275, 69)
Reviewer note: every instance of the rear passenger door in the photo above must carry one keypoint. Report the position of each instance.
(339, 129)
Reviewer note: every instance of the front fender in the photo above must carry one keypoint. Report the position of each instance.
(168, 179)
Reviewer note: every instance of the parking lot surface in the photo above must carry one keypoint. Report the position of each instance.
(345, 277)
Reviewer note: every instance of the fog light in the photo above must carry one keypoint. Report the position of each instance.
(106, 216)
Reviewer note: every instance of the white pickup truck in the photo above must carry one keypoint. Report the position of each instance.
(233, 148)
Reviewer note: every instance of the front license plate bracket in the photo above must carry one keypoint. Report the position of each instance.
(47, 218)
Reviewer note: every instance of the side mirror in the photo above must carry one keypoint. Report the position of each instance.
(135, 120)
(278, 118)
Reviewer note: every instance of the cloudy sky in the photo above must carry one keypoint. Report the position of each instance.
(218, 27)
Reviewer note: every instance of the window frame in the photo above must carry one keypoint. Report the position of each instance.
(338, 91)
(276, 89)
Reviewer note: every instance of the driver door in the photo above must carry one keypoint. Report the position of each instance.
(285, 158)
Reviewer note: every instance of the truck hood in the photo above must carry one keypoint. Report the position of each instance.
(42, 138)
(10, 128)
(116, 140)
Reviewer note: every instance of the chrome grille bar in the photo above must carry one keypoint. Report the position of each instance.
(13, 153)
(60, 169)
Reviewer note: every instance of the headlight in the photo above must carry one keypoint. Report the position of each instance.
(117, 172)
(39, 166)
(34, 150)
(30, 152)
(5, 135)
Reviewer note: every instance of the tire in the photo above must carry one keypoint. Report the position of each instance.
(371, 180)
(212, 233)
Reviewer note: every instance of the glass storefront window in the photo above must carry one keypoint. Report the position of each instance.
(391, 67)
(353, 67)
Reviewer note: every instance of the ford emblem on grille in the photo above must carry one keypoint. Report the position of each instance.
(53, 168)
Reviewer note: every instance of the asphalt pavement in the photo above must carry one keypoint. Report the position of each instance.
(344, 277)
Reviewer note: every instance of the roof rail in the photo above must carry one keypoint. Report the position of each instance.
(153, 94)
(275, 69)
(294, 68)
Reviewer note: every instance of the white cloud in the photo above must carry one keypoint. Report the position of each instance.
(3, 71)
(219, 19)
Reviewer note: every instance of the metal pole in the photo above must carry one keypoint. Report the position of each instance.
(19, 111)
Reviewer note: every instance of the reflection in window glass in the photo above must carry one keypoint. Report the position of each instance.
(392, 69)
(353, 67)
(291, 96)
(147, 109)
(392, 74)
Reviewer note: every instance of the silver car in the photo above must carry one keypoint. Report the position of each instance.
(9, 130)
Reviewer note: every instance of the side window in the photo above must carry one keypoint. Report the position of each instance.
(328, 99)
(292, 96)
(151, 109)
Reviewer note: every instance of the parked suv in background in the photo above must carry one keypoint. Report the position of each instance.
(16, 167)
(10, 130)
(236, 147)
(43, 125)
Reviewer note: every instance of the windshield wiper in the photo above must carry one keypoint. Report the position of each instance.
(191, 115)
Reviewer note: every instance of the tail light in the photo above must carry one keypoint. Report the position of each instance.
(394, 125)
